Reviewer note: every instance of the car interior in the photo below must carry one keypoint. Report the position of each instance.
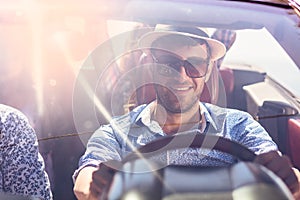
(245, 88)
(79, 99)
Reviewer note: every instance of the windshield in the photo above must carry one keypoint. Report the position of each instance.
(259, 49)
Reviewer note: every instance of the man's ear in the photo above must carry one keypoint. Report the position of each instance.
(209, 70)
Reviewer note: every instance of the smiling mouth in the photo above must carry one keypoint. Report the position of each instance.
(181, 88)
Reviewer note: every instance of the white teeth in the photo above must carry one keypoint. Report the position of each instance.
(182, 88)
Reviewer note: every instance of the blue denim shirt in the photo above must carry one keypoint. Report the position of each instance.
(116, 140)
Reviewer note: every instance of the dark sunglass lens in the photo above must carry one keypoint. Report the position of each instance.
(196, 68)
(165, 70)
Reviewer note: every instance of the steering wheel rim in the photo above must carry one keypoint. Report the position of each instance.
(129, 179)
(196, 140)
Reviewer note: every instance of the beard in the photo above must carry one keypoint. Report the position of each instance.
(175, 103)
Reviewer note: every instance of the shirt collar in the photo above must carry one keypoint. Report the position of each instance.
(207, 116)
(144, 116)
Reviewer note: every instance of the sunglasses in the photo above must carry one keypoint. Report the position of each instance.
(170, 66)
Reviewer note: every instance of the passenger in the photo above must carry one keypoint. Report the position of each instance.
(22, 169)
(177, 109)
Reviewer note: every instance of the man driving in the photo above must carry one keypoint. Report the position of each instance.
(182, 59)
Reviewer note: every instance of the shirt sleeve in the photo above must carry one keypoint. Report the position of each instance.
(251, 133)
(102, 146)
(22, 166)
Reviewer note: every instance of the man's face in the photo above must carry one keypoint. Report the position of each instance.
(176, 90)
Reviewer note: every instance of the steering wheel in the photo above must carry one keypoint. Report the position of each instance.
(193, 140)
(243, 179)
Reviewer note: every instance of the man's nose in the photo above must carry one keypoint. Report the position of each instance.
(182, 75)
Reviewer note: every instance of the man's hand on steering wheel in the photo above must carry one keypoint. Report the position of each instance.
(93, 182)
(282, 167)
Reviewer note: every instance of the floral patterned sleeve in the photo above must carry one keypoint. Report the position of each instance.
(22, 168)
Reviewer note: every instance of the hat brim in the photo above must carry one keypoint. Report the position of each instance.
(217, 48)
